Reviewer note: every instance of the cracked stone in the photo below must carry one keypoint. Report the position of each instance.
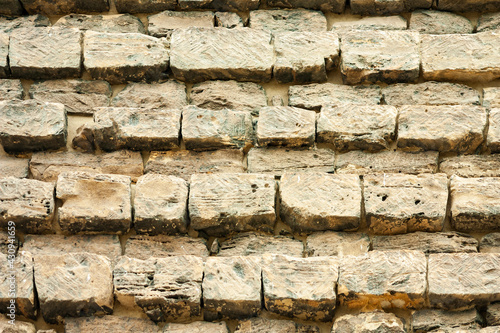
(252, 244)
(13, 167)
(11, 89)
(332, 244)
(471, 166)
(281, 20)
(437, 23)
(490, 243)
(169, 95)
(122, 23)
(164, 23)
(145, 247)
(430, 320)
(369, 323)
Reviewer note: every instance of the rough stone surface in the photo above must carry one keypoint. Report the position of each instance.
(315, 96)
(286, 126)
(375, 7)
(453, 128)
(73, 285)
(330, 243)
(144, 247)
(263, 325)
(305, 56)
(94, 203)
(215, 129)
(196, 327)
(390, 161)
(4, 55)
(493, 137)
(11, 89)
(461, 280)
(163, 293)
(225, 203)
(469, 166)
(219, 95)
(369, 323)
(353, 127)
(199, 54)
(78, 96)
(488, 21)
(280, 20)
(371, 23)
(164, 23)
(13, 167)
(475, 204)
(276, 161)
(200, 4)
(490, 243)
(27, 202)
(122, 23)
(493, 314)
(491, 97)
(336, 6)
(148, 6)
(10, 23)
(45, 53)
(440, 242)
(5, 241)
(252, 244)
(437, 23)
(228, 20)
(118, 58)
(137, 128)
(397, 203)
(383, 279)
(430, 320)
(385, 56)
(11, 7)
(447, 58)
(232, 287)
(320, 201)
(109, 323)
(65, 7)
(468, 5)
(32, 125)
(170, 95)
(430, 93)
(19, 326)
(83, 140)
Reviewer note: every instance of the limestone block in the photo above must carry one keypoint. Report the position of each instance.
(121, 23)
(11, 89)
(369, 322)
(490, 243)
(469, 5)
(471, 166)
(196, 327)
(493, 137)
(371, 23)
(491, 97)
(228, 20)
(147, 6)
(280, 20)
(263, 325)
(109, 323)
(145, 247)
(65, 7)
(488, 21)
(13, 167)
(493, 314)
(438, 23)
(164, 23)
(336, 6)
(11, 7)
(10, 23)
(431, 320)
(375, 7)
(331, 243)
(169, 95)
(252, 244)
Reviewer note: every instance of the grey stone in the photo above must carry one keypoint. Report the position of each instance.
(437, 23)
(19, 326)
(375, 7)
(169, 95)
(263, 325)
(196, 327)
(315, 96)
(65, 7)
(145, 247)
(78, 96)
(320, 201)
(13, 167)
(369, 323)
(276, 161)
(163, 293)
(208, 129)
(94, 203)
(11, 89)
(380, 56)
(136, 128)
(493, 137)
(471, 166)
(460, 281)
(491, 97)
(109, 323)
(445, 128)
(11, 7)
(468, 5)
(280, 20)
(488, 21)
(228, 20)
(431, 320)
(225, 203)
(352, 127)
(371, 23)
(147, 6)
(331, 243)
(73, 285)
(199, 54)
(164, 23)
(121, 23)
(45, 53)
(490, 243)
(252, 244)
(10, 23)
(398, 203)
(384, 279)
(286, 126)
(493, 314)
(27, 202)
(336, 6)
(430, 93)
(475, 205)
(118, 58)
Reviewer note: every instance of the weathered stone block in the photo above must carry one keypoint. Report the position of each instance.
(18, 327)
(164, 23)
(32, 126)
(286, 126)
(78, 96)
(385, 56)
(336, 6)
(438, 23)
(491, 97)
(169, 95)
(447, 58)
(45, 53)
(10, 23)
(118, 58)
(11, 7)
(488, 21)
(468, 5)
(122, 23)
(27, 202)
(219, 95)
(280, 20)
(475, 204)
(163, 293)
(208, 129)
(371, 23)
(8, 242)
(353, 127)
(330, 243)
(228, 20)
(232, 287)
(13, 167)
(73, 285)
(320, 201)
(493, 314)
(383, 279)
(469, 166)
(4, 55)
(453, 128)
(490, 243)
(137, 128)
(493, 137)
(447, 321)
(109, 323)
(430, 93)
(315, 96)
(65, 7)
(196, 327)
(252, 244)
(305, 56)
(145, 247)
(396, 203)
(148, 6)
(375, 7)
(461, 280)
(225, 203)
(94, 203)
(263, 325)
(369, 323)
(199, 54)
(11, 89)
(233, 5)
(199, 4)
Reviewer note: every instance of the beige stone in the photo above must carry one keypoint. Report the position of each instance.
(134, 6)
(320, 201)
(11, 89)
(94, 203)
(461, 280)
(169, 95)
(375, 7)
(121, 23)
(490, 243)
(228, 20)
(280, 20)
(196, 327)
(65, 7)
(10, 23)
(369, 323)
(164, 23)
(263, 325)
(252, 244)
(493, 137)
(380, 56)
(4, 55)
(453, 128)
(437, 23)
(336, 6)
(371, 23)
(468, 5)
(145, 247)
(109, 323)
(431, 320)
(470, 166)
(491, 97)
(331, 243)
(488, 21)
(13, 167)
(8, 242)
(19, 326)
(493, 314)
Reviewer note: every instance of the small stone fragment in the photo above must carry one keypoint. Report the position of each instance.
(196, 327)
(263, 325)
(471, 166)
(371, 23)
(490, 243)
(437, 23)
(164, 23)
(468, 5)
(145, 247)
(493, 314)
(84, 139)
(380, 56)
(11, 89)
(94, 203)
(110, 324)
(371, 322)
(169, 95)
(18, 327)
(493, 136)
(491, 97)
(228, 202)
(430, 320)
(65, 7)
(488, 21)
(252, 244)
(445, 128)
(231, 287)
(122, 23)
(13, 167)
(4, 55)
(276, 100)
(11, 7)
(148, 6)
(331, 244)
(375, 7)
(281, 20)
(320, 201)
(228, 20)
